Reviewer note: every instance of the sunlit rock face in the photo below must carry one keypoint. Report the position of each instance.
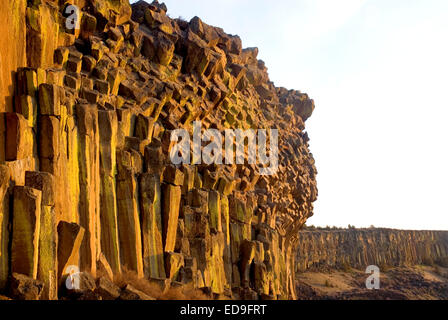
(86, 175)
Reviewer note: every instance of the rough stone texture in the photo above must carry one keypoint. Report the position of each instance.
(13, 48)
(171, 202)
(359, 248)
(25, 231)
(42, 36)
(174, 262)
(25, 288)
(48, 259)
(108, 211)
(4, 222)
(70, 237)
(19, 137)
(130, 293)
(107, 289)
(89, 178)
(151, 206)
(95, 108)
(129, 215)
(47, 269)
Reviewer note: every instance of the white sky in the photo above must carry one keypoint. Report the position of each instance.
(377, 70)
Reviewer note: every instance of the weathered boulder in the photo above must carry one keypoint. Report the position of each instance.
(44, 182)
(157, 19)
(198, 54)
(173, 176)
(214, 209)
(23, 287)
(131, 293)
(114, 12)
(106, 289)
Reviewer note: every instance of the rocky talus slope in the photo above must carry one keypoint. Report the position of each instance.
(86, 117)
(359, 248)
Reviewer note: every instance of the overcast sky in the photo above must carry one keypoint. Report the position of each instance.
(377, 70)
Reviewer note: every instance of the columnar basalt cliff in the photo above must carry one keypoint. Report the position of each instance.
(85, 175)
(364, 247)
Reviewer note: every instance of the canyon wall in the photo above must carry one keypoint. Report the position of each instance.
(359, 248)
(86, 178)
(12, 56)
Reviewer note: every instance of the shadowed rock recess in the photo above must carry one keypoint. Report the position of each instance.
(85, 176)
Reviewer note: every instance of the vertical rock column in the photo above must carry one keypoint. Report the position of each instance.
(19, 137)
(227, 256)
(47, 268)
(13, 49)
(108, 125)
(52, 143)
(25, 231)
(4, 221)
(151, 212)
(240, 231)
(72, 165)
(129, 230)
(89, 176)
(172, 191)
(2, 137)
(171, 205)
(216, 263)
(42, 36)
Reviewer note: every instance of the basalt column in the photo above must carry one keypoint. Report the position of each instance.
(89, 183)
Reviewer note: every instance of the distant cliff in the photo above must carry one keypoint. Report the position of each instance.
(364, 247)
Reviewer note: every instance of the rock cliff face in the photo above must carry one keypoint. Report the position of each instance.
(364, 247)
(86, 117)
